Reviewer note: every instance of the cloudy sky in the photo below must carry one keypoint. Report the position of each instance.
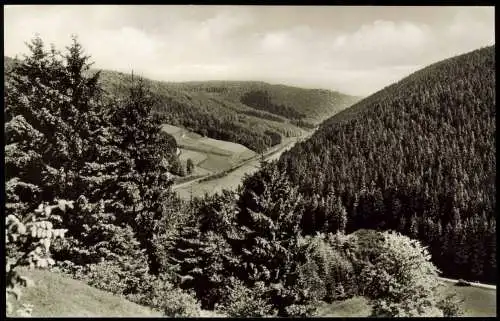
(356, 50)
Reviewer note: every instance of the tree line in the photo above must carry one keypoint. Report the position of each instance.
(260, 99)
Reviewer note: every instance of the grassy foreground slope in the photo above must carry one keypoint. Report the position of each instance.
(477, 302)
(58, 296)
(55, 295)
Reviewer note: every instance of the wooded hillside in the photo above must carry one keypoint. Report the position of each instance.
(417, 157)
(254, 114)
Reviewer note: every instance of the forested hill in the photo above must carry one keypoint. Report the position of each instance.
(254, 114)
(417, 157)
(311, 105)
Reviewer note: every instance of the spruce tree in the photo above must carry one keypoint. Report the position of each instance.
(143, 180)
(269, 220)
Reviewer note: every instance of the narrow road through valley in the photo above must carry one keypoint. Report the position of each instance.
(233, 179)
(473, 284)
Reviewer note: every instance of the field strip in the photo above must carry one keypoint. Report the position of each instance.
(268, 155)
(208, 150)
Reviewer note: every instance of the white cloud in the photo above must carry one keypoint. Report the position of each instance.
(112, 45)
(227, 22)
(235, 42)
(381, 43)
(466, 31)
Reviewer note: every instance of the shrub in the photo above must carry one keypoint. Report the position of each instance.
(451, 305)
(113, 277)
(397, 275)
(341, 278)
(28, 240)
(160, 294)
(244, 301)
(327, 274)
(178, 303)
(302, 310)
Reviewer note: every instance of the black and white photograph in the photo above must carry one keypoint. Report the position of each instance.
(227, 161)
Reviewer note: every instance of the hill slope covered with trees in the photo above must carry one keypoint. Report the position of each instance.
(254, 114)
(417, 157)
(309, 105)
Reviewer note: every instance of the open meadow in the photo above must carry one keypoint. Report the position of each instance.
(56, 295)
(477, 302)
(208, 155)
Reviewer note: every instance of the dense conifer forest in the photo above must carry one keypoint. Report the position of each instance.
(417, 157)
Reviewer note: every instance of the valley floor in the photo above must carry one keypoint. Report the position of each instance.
(204, 185)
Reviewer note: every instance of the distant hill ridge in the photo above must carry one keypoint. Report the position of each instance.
(314, 104)
(252, 113)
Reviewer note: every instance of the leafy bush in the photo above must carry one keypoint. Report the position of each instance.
(451, 305)
(244, 301)
(301, 310)
(397, 275)
(162, 295)
(115, 277)
(180, 304)
(28, 241)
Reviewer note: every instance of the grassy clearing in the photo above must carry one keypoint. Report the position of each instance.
(353, 307)
(230, 182)
(192, 141)
(234, 178)
(196, 157)
(216, 163)
(172, 130)
(208, 155)
(55, 295)
(225, 145)
(478, 302)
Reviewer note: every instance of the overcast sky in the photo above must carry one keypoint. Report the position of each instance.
(356, 50)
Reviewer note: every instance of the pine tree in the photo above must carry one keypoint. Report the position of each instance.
(202, 253)
(61, 143)
(50, 117)
(189, 166)
(144, 179)
(269, 220)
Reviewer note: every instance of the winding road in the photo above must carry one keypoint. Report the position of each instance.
(214, 183)
(473, 284)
